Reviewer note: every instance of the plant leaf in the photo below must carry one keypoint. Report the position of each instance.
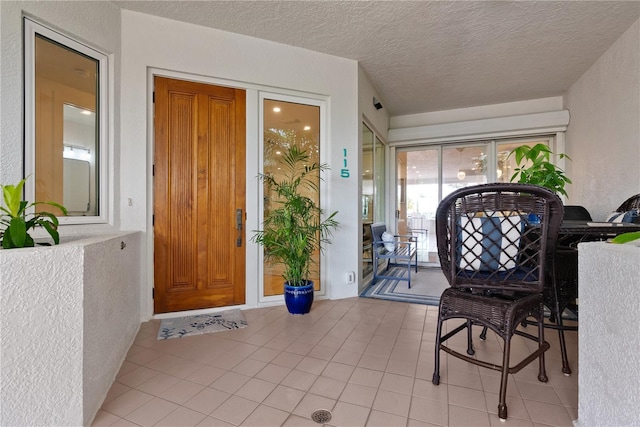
(51, 229)
(17, 232)
(626, 237)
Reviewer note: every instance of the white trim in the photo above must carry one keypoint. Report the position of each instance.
(104, 119)
(512, 126)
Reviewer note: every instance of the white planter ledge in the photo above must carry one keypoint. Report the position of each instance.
(68, 315)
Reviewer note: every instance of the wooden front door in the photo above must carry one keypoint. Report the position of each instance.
(199, 196)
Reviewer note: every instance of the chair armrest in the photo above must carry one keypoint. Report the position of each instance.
(410, 237)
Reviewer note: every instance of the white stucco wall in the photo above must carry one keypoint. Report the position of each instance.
(609, 335)
(69, 314)
(111, 312)
(603, 138)
(41, 349)
(220, 57)
(378, 119)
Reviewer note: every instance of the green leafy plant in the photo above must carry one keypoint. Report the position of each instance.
(534, 167)
(626, 237)
(294, 230)
(16, 221)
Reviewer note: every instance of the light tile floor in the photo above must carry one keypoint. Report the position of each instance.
(369, 362)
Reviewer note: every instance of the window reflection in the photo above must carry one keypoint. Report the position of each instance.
(287, 124)
(66, 127)
(79, 161)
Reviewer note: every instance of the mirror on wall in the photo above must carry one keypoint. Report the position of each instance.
(65, 116)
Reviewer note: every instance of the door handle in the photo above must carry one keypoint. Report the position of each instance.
(239, 227)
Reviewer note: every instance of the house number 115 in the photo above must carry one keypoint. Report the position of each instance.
(344, 172)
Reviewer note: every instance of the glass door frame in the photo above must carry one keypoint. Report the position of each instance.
(380, 205)
(491, 144)
(324, 191)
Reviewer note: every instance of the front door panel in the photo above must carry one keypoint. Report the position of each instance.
(199, 196)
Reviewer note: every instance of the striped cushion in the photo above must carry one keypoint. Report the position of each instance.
(489, 243)
(628, 216)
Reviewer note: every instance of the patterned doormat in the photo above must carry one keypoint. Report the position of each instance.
(180, 327)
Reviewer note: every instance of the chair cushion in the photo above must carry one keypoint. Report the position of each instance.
(489, 243)
(389, 241)
(628, 216)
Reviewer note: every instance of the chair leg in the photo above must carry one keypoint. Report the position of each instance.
(502, 398)
(566, 370)
(542, 373)
(436, 371)
(470, 350)
(483, 334)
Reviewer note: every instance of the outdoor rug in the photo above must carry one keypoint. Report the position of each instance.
(180, 327)
(426, 286)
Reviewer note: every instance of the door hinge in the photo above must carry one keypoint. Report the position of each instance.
(153, 293)
(153, 220)
(154, 97)
(153, 170)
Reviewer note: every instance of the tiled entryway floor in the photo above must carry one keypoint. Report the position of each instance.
(369, 362)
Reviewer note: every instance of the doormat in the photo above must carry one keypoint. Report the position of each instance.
(180, 327)
(426, 286)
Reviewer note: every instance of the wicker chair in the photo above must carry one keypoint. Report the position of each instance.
(494, 243)
(632, 202)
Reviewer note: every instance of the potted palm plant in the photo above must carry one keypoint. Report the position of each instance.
(16, 219)
(295, 228)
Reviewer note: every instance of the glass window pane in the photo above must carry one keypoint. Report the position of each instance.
(368, 198)
(66, 143)
(379, 181)
(373, 190)
(462, 167)
(418, 198)
(287, 124)
(368, 185)
(506, 164)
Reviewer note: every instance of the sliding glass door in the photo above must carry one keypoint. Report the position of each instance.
(427, 174)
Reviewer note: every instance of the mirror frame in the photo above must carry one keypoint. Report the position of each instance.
(31, 28)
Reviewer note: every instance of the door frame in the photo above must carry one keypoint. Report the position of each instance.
(320, 102)
(253, 163)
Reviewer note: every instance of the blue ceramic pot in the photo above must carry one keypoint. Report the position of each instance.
(298, 298)
(533, 218)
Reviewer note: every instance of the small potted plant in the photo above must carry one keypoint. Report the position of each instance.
(16, 221)
(294, 230)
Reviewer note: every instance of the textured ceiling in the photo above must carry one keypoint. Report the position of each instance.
(432, 55)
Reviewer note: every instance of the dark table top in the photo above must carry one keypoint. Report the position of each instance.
(573, 232)
(592, 227)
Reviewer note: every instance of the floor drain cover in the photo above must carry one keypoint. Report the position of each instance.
(321, 416)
